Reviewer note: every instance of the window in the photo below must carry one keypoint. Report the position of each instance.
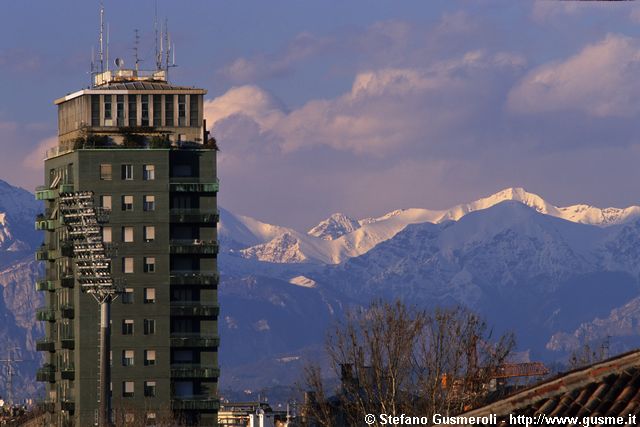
(127, 357)
(182, 110)
(105, 202)
(168, 110)
(106, 235)
(149, 326)
(127, 172)
(127, 234)
(105, 172)
(133, 112)
(150, 389)
(157, 110)
(149, 203)
(127, 296)
(145, 110)
(149, 264)
(127, 265)
(120, 110)
(149, 233)
(149, 172)
(127, 203)
(95, 110)
(127, 327)
(149, 357)
(194, 107)
(149, 295)
(107, 110)
(127, 389)
(151, 417)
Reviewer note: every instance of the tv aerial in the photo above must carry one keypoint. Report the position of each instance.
(119, 63)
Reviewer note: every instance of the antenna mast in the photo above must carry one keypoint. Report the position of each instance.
(101, 37)
(135, 47)
(158, 39)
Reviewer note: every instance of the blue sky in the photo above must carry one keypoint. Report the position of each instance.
(361, 106)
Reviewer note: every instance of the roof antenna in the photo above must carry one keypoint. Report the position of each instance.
(158, 39)
(101, 53)
(135, 47)
(107, 55)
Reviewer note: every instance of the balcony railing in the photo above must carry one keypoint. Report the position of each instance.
(67, 311)
(46, 374)
(45, 224)
(67, 282)
(68, 342)
(45, 344)
(195, 403)
(67, 404)
(68, 147)
(193, 247)
(43, 192)
(194, 339)
(67, 371)
(200, 216)
(195, 278)
(194, 309)
(194, 371)
(193, 185)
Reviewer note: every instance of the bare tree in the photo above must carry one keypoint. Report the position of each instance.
(393, 359)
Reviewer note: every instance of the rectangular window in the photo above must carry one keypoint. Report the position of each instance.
(149, 172)
(149, 203)
(127, 389)
(168, 110)
(105, 202)
(127, 357)
(127, 327)
(149, 233)
(150, 389)
(120, 110)
(149, 265)
(127, 296)
(127, 172)
(194, 108)
(106, 235)
(157, 110)
(133, 110)
(182, 110)
(149, 357)
(127, 265)
(149, 295)
(105, 172)
(149, 326)
(127, 234)
(107, 110)
(127, 203)
(151, 417)
(95, 110)
(144, 103)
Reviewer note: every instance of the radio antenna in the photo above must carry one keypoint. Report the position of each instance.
(158, 40)
(102, 37)
(136, 43)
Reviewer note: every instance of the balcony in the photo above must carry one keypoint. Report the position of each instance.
(67, 405)
(193, 247)
(194, 309)
(67, 282)
(44, 224)
(194, 216)
(45, 285)
(45, 254)
(68, 372)
(194, 339)
(194, 278)
(66, 311)
(195, 403)
(46, 374)
(195, 371)
(46, 314)
(193, 185)
(43, 192)
(67, 342)
(45, 344)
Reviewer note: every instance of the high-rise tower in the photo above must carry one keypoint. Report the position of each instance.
(137, 145)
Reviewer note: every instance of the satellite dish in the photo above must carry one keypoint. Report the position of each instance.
(119, 62)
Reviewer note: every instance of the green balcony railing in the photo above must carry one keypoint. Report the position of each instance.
(193, 185)
(46, 314)
(200, 216)
(194, 309)
(43, 192)
(194, 277)
(45, 254)
(194, 339)
(194, 371)
(46, 285)
(195, 403)
(46, 224)
(46, 374)
(193, 247)
(45, 344)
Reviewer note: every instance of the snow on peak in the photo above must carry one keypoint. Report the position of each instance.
(284, 248)
(335, 226)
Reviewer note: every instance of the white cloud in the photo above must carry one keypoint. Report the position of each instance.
(600, 80)
(34, 160)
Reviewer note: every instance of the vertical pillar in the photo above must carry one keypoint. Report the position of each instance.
(105, 363)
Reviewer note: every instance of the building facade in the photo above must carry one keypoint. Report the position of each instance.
(139, 145)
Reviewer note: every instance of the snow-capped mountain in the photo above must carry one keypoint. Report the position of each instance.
(333, 227)
(340, 237)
